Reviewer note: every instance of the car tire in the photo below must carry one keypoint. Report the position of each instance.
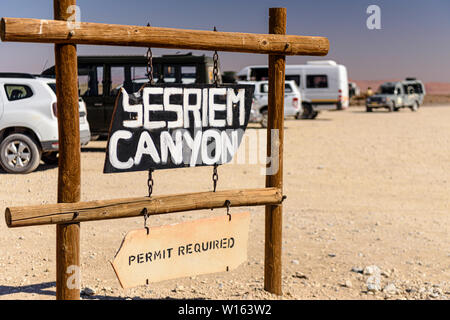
(50, 158)
(19, 154)
(369, 109)
(391, 107)
(265, 118)
(415, 106)
(313, 115)
(307, 111)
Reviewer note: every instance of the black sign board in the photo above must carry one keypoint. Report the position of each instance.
(175, 126)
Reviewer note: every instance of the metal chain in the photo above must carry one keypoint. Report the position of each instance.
(150, 182)
(150, 64)
(146, 215)
(215, 177)
(216, 66)
(228, 204)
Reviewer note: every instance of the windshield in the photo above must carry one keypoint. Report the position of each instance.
(387, 90)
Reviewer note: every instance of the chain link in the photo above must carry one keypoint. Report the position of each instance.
(146, 215)
(215, 176)
(216, 66)
(150, 182)
(228, 205)
(150, 64)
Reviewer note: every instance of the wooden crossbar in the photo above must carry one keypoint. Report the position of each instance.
(52, 31)
(134, 207)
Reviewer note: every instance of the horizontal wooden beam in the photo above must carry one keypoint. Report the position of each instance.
(50, 31)
(127, 208)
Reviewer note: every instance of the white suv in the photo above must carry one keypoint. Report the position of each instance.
(29, 124)
(292, 101)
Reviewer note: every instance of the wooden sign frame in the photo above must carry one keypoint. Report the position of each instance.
(68, 213)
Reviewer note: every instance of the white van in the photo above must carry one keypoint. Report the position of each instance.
(323, 84)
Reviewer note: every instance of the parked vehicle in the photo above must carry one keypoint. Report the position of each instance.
(323, 84)
(353, 90)
(292, 101)
(395, 95)
(100, 77)
(28, 122)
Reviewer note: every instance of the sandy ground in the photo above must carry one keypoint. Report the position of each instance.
(363, 190)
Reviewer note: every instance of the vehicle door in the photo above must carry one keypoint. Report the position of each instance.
(317, 88)
(410, 95)
(420, 91)
(399, 96)
(90, 84)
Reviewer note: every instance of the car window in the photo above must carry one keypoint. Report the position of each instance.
(17, 92)
(295, 78)
(387, 90)
(188, 73)
(417, 88)
(52, 85)
(420, 88)
(409, 89)
(258, 74)
(117, 79)
(90, 81)
(317, 81)
(170, 73)
(265, 88)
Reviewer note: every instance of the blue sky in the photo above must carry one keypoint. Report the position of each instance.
(414, 39)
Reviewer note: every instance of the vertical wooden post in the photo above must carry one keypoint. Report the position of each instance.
(273, 236)
(69, 173)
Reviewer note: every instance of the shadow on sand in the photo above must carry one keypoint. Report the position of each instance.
(39, 288)
(49, 289)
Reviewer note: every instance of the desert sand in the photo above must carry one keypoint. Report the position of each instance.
(367, 193)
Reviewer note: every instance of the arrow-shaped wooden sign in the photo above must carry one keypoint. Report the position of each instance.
(181, 250)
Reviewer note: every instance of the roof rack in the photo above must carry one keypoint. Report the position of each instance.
(16, 75)
(178, 55)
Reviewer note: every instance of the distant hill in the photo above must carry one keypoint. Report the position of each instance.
(431, 87)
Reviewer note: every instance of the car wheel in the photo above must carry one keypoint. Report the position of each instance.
(50, 158)
(313, 115)
(415, 106)
(307, 110)
(368, 109)
(19, 154)
(264, 119)
(391, 107)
